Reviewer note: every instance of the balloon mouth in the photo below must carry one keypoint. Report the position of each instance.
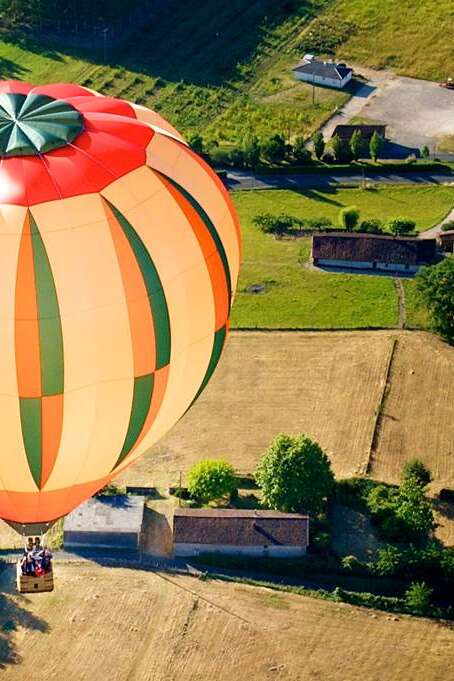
(30, 529)
(33, 124)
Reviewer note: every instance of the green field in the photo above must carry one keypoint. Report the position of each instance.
(411, 36)
(224, 70)
(297, 296)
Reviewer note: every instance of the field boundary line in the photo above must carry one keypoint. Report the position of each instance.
(379, 411)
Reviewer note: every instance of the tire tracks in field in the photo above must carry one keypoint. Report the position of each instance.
(379, 413)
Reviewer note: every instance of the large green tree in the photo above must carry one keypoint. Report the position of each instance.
(435, 286)
(295, 475)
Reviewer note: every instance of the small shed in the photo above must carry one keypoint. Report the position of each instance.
(105, 522)
(372, 251)
(245, 532)
(318, 72)
(447, 241)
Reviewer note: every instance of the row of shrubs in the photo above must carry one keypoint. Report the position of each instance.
(277, 150)
(349, 219)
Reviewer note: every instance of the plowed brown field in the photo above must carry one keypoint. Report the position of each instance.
(124, 625)
(328, 385)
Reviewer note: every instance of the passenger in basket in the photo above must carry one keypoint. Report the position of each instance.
(46, 560)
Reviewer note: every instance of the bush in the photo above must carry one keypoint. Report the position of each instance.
(399, 226)
(418, 597)
(209, 480)
(418, 471)
(341, 150)
(295, 475)
(414, 509)
(196, 143)
(236, 157)
(300, 153)
(447, 226)
(276, 224)
(348, 217)
(110, 490)
(371, 226)
(425, 152)
(274, 149)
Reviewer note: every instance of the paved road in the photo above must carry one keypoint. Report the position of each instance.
(238, 180)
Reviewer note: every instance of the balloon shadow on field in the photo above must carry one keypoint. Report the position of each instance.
(14, 614)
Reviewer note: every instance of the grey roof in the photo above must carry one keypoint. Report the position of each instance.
(362, 247)
(107, 514)
(239, 527)
(326, 69)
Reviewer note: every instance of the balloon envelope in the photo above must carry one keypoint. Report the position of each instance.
(119, 257)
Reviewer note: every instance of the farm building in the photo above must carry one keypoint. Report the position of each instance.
(345, 132)
(447, 241)
(371, 251)
(105, 522)
(232, 531)
(319, 72)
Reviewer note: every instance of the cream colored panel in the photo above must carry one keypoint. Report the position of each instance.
(110, 428)
(156, 121)
(162, 155)
(176, 400)
(180, 263)
(14, 471)
(96, 333)
(11, 218)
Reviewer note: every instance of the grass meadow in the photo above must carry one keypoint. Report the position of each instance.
(298, 296)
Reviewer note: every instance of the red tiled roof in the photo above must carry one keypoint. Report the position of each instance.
(239, 527)
(359, 247)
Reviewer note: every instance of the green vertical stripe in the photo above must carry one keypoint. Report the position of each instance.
(50, 331)
(218, 344)
(211, 228)
(158, 304)
(31, 423)
(141, 400)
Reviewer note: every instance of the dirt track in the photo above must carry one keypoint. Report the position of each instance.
(124, 625)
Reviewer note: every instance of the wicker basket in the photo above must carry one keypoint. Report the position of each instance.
(27, 584)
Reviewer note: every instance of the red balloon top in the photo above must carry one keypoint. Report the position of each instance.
(111, 142)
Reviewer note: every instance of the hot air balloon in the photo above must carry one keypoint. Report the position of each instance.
(119, 257)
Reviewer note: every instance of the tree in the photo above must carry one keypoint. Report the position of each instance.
(209, 480)
(356, 145)
(435, 286)
(418, 471)
(337, 147)
(295, 475)
(274, 149)
(251, 152)
(196, 142)
(399, 226)
(319, 145)
(425, 151)
(418, 597)
(375, 146)
(414, 509)
(301, 153)
(349, 217)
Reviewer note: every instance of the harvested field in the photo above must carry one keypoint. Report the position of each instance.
(325, 384)
(328, 385)
(120, 624)
(418, 412)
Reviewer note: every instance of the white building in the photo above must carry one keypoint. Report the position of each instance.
(239, 532)
(319, 72)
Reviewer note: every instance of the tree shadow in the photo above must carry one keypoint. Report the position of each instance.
(14, 615)
(197, 43)
(11, 70)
